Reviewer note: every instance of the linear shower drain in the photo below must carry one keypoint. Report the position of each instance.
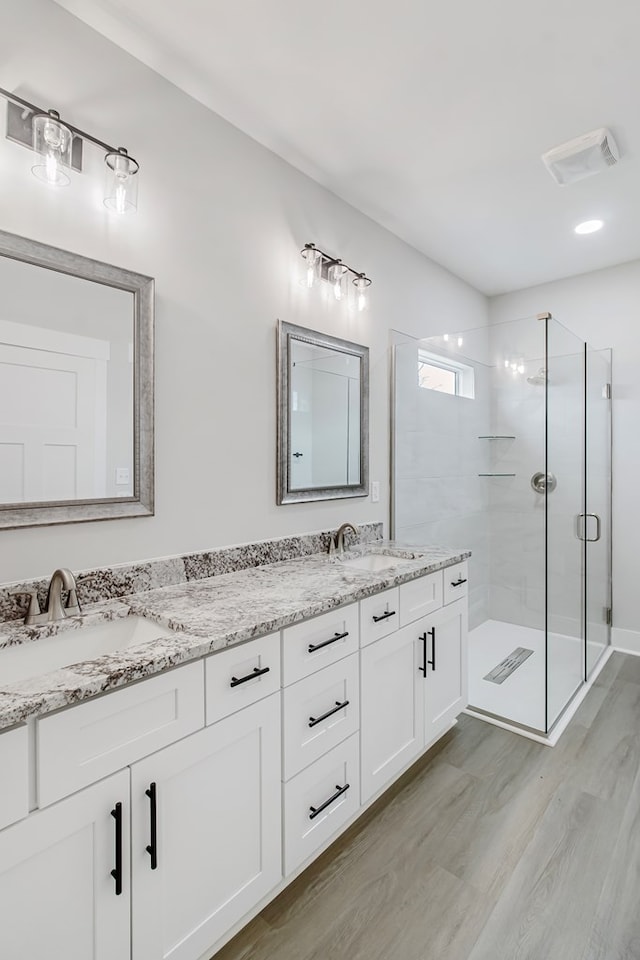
(506, 667)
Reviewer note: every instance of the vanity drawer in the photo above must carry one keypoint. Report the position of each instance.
(456, 582)
(314, 644)
(14, 775)
(316, 803)
(84, 743)
(314, 722)
(242, 675)
(420, 597)
(379, 615)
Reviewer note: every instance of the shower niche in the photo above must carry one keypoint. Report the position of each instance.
(519, 471)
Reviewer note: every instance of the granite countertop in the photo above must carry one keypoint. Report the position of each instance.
(206, 616)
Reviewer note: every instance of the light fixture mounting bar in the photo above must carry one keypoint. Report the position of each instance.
(35, 109)
(328, 261)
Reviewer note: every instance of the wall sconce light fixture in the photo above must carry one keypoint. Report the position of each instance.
(58, 148)
(320, 266)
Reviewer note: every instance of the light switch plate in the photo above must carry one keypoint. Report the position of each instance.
(375, 491)
(122, 475)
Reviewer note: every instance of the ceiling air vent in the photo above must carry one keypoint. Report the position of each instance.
(583, 157)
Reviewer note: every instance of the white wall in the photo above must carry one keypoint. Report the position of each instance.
(220, 224)
(604, 308)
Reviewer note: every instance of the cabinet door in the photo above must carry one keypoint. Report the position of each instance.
(445, 682)
(392, 708)
(57, 895)
(217, 833)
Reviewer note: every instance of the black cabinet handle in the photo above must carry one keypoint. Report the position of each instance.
(458, 583)
(323, 806)
(297, 455)
(152, 848)
(313, 721)
(384, 616)
(423, 668)
(325, 643)
(256, 672)
(116, 873)
(432, 662)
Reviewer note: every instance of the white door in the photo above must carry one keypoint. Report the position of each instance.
(445, 682)
(57, 895)
(52, 416)
(211, 849)
(392, 708)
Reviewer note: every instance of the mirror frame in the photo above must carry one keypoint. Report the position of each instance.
(141, 504)
(285, 333)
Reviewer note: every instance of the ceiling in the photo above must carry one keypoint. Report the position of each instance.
(429, 117)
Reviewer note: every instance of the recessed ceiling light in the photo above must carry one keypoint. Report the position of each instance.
(589, 226)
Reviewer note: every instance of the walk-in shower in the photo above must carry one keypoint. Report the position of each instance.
(501, 443)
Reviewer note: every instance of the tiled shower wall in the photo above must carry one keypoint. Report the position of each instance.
(438, 496)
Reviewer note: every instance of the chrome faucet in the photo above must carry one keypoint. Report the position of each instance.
(61, 579)
(337, 546)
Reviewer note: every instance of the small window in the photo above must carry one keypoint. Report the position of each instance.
(445, 375)
(432, 376)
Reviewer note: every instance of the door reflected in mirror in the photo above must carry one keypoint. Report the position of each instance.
(323, 416)
(66, 387)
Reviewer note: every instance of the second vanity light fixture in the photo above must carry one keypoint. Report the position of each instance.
(321, 266)
(57, 146)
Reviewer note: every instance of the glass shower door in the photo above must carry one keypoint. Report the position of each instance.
(564, 496)
(597, 521)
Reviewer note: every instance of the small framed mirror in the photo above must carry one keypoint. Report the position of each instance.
(323, 416)
(76, 387)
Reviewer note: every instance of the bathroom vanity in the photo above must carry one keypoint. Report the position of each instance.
(187, 779)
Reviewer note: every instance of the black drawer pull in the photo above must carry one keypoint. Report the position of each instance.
(432, 662)
(313, 721)
(423, 668)
(323, 806)
(325, 643)
(152, 848)
(458, 583)
(116, 873)
(384, 616)
(256, 672)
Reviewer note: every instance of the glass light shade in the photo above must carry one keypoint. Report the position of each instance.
(121, 182)
(52, 144)
(313, 259)
(362, 285)
(337, 277)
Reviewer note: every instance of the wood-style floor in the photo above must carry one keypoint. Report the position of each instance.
(493, 847)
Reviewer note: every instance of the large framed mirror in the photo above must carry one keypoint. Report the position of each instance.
(76, 387)
(323, 416)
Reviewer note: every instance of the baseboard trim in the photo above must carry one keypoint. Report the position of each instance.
(626, 641)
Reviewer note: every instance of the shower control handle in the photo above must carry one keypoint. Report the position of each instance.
(544, 482)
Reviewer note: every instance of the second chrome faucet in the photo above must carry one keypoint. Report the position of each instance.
(337, 546)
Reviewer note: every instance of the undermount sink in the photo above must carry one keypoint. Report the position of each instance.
(374, 562)
(33, 658)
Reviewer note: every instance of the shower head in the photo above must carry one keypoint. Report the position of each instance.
(540, 378)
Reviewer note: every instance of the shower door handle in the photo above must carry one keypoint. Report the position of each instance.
(582, 527)
(598, 528)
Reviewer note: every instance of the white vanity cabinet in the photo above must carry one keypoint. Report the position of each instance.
(58, 897)
(413, 682)
(392, 705)
(445, 682)
(205, 833)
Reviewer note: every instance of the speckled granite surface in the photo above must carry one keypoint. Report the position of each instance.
(112, 583)
(208, 615)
